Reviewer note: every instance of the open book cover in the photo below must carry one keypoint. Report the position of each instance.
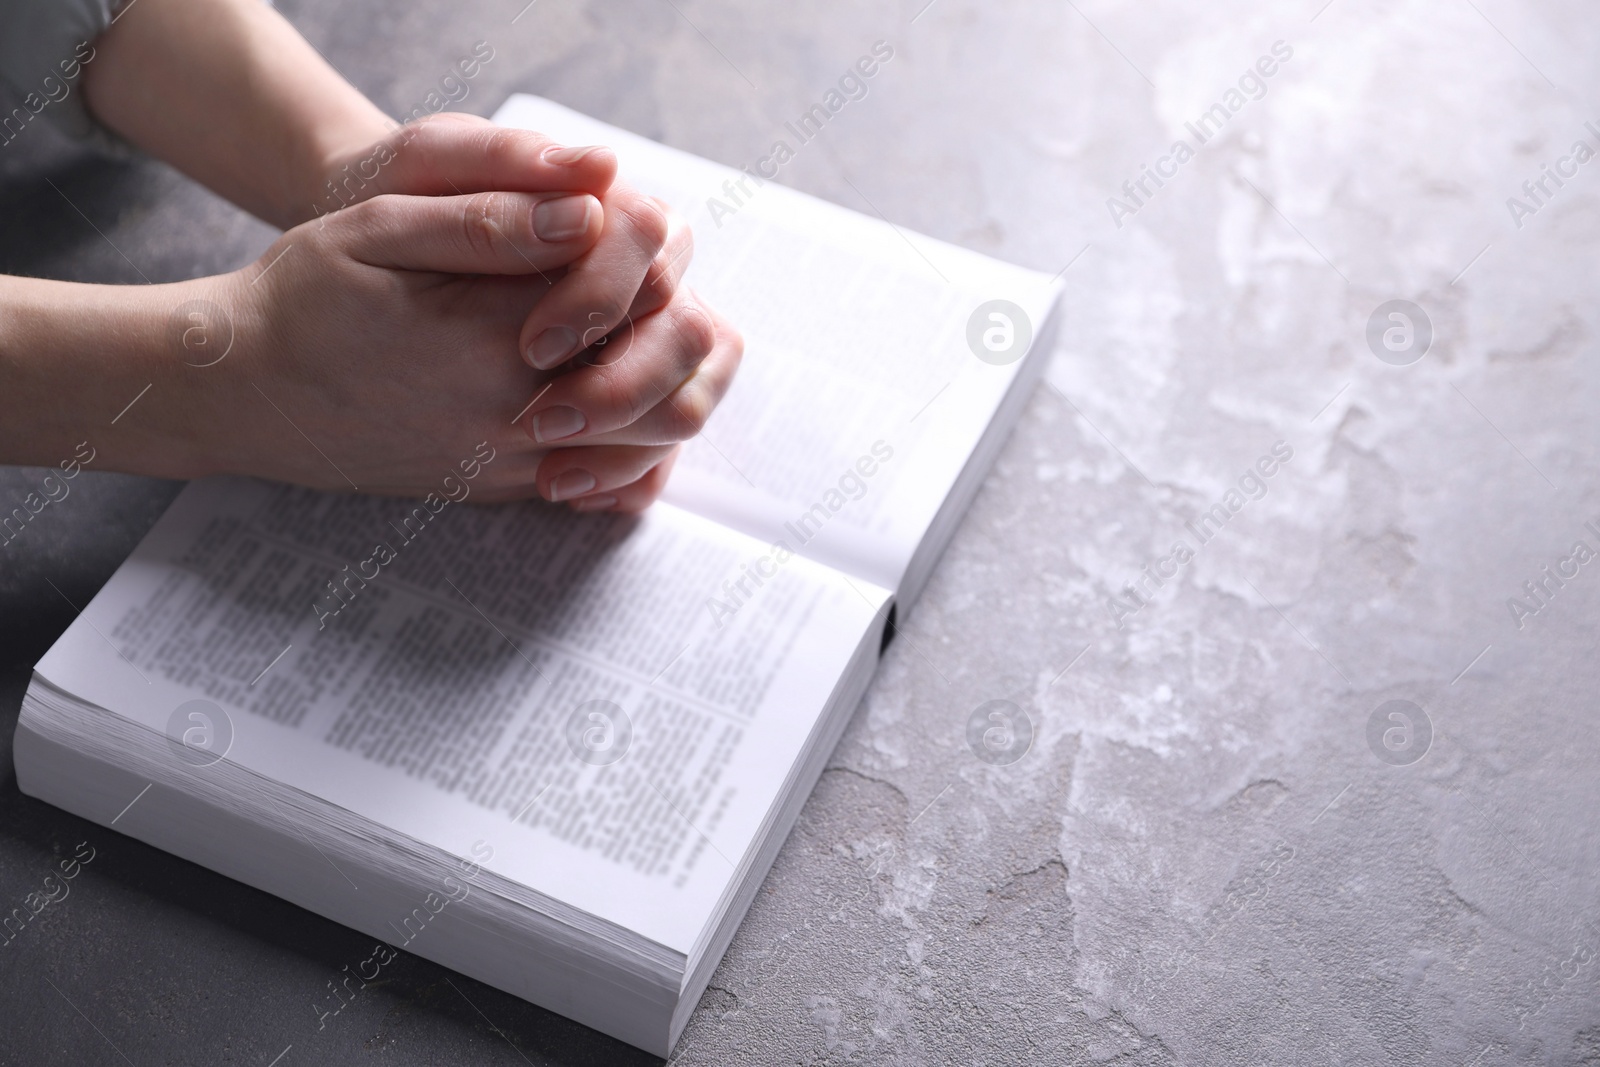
(552, 751)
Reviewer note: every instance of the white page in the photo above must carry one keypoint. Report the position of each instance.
(434, 700)
(856, 336)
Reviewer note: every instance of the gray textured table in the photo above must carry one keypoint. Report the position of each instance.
(1220, 848)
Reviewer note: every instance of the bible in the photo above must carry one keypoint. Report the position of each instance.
(558, 752)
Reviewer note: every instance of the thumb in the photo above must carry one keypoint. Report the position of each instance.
(454, 153)
(485, 233)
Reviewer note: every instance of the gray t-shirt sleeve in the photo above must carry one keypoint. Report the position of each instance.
(44, 46)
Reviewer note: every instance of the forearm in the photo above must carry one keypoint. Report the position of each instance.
(229, 93)
(75, 361)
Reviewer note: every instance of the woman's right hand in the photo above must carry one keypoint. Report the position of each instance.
(374, 349)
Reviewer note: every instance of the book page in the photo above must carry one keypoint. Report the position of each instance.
(860, 396)
(549, 683)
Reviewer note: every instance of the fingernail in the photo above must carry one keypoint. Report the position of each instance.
(557, 423)
(594, 503)
(562, 219)
(566, 157)
(552, 346)
(571, 483)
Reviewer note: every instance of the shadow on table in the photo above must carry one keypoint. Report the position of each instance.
(458, 1009)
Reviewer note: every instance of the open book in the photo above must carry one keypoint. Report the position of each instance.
(559, 752)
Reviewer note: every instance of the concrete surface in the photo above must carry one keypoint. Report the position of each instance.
(1202, 859)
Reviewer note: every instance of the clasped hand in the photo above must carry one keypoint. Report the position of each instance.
(487, 285)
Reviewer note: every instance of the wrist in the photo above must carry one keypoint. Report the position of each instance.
(333, 175)
(101, 364)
